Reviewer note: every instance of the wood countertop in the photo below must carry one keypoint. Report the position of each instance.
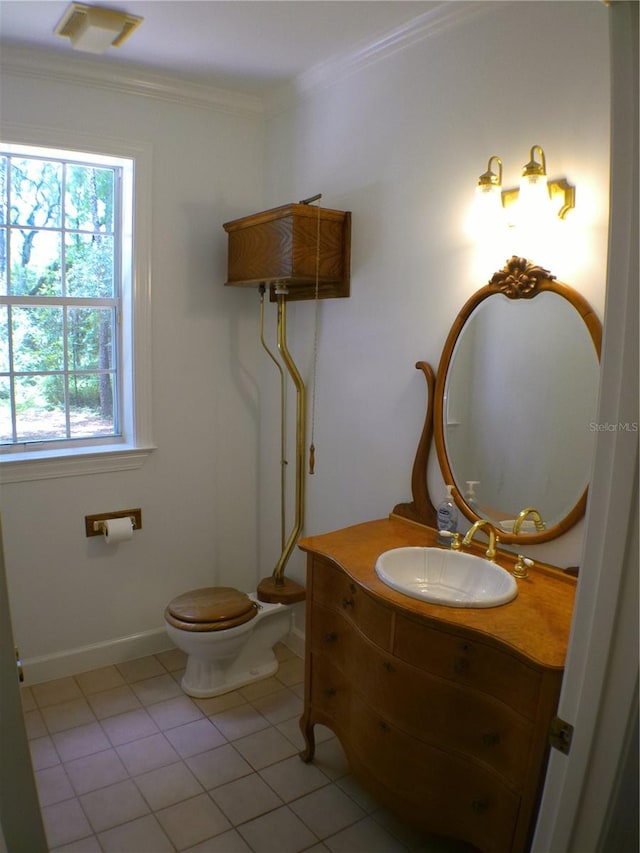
(535, 625)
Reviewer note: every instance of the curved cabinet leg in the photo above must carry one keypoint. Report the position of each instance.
(307, 729)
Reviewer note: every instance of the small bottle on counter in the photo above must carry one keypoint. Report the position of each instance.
(470, 495)
(447, 518)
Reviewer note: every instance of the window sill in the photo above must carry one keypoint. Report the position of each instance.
(49, 464)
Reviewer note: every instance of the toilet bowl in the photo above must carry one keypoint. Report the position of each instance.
(228, 636)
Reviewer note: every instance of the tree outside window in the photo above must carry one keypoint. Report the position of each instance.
(60, 291)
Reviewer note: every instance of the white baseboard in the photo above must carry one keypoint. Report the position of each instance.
(295, 641)
(74, 661)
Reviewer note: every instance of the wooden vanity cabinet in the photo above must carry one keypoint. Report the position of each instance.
(446, 725)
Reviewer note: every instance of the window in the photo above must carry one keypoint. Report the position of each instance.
(72, 322)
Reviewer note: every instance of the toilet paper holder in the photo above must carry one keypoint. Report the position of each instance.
(94, 524)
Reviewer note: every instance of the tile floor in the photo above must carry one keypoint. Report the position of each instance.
(125, 762)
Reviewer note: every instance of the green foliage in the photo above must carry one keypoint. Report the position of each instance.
(84, 391)
(62, 244)
(89, 199)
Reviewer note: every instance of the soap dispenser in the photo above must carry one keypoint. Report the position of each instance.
(470, 495)
(447, 517)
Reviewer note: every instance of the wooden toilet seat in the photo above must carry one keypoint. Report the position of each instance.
(212, 608)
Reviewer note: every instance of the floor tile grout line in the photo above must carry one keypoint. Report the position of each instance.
(133, 777)
(209, 793)
(236, 826)
(86, 696)
(255, 771)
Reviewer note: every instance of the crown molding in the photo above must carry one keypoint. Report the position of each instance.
(443, 16)
(126, 79)
(38, 63)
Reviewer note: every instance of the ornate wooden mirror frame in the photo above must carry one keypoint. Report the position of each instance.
(519, 279)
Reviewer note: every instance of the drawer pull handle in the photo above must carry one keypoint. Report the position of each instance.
(330, 691)
(331, 637)
(385, 726)
(479, 806)
(491, 738)
(461, 665)
(347, 602)
(389, 666)
(352, 588)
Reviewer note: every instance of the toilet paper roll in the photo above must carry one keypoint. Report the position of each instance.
(117, 530)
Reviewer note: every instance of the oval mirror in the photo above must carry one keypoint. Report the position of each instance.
(515, 403)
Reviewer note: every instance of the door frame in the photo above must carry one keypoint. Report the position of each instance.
(600, 688)
(21, 826)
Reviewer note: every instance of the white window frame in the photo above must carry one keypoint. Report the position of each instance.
(130, 450)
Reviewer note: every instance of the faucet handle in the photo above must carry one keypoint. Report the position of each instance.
(490, 553)
(455, 537)
(520, 570)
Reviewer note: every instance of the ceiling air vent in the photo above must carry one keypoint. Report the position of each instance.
(94, 29)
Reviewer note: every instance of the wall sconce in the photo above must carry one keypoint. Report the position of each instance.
(489, 182)
(94, 29)
(536, 192)
(528, 221)
(488, 207)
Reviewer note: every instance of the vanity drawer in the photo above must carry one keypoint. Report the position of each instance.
(449, 795)
(330, 691)
(332, 636)
(469, 663)
(335, 589)
(443, 713)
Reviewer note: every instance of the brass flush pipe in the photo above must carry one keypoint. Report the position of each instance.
(281, 294)
(283, 433)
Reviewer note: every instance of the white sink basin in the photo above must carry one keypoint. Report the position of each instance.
(444, 576)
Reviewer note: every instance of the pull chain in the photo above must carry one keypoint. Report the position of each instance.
(314, 369)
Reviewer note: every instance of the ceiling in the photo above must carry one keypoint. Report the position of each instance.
(249, 45)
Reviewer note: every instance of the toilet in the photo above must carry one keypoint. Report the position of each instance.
(228, 636)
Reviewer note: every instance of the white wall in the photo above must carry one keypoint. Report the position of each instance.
(400, 142)
(198, 490)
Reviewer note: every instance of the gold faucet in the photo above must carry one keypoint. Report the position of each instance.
(490, 553)
(535, 515)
